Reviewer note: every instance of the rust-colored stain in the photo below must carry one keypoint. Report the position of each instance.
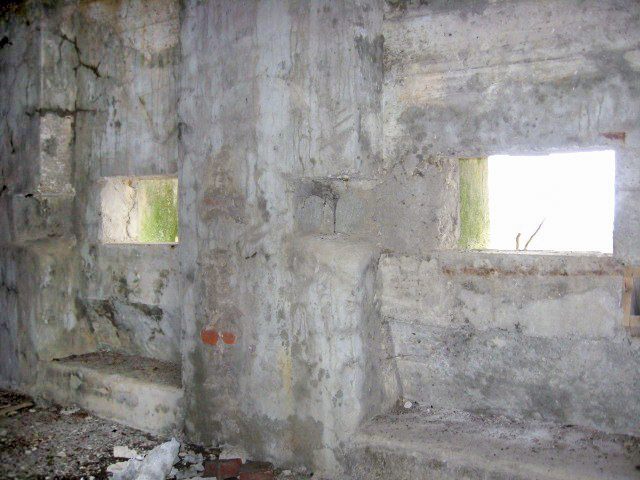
(211, 337)
(228, 338)
(622, 136)
(213, 201)
(486, 271)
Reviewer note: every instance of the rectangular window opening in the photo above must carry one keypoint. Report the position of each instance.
(631, 300)
(559, 202)
(139, 210)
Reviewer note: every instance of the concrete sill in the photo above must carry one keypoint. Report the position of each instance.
(542, 263)
(137, 244)
(539, 253)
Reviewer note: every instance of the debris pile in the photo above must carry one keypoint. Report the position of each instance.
(167, 462)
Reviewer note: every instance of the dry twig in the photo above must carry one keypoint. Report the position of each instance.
(534, 234)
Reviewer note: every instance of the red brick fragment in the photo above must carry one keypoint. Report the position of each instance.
(228, 468)
(209, 336)
(257, 471)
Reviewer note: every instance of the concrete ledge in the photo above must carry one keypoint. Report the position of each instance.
(545, 295)
(447, 444)
(109, 392)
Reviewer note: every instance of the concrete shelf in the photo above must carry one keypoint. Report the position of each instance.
(136, 391)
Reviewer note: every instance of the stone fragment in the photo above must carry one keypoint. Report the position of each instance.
(69, 411)
(13, 409)
(232, 451)
(158, 463)
(192, 457)
(122, 451)
(117, 467)
(126, 470)
(192, 471)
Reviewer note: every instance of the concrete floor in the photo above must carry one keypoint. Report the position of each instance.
(427, 443)
(45, 440)
(49, 441)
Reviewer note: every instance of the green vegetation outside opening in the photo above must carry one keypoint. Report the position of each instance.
(158, 209)
(474, 203)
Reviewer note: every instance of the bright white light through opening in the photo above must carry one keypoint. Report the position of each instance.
(571, 193)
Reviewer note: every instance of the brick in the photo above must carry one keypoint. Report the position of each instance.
(257, 471)
(228, 468)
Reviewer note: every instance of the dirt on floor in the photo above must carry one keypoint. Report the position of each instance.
(46, 441)
(41, 440)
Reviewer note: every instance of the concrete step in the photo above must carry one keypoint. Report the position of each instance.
(423, 443)
(139, 392)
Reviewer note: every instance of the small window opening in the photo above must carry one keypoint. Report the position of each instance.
(139, 210)
(635, 296)
(631, 300)
(557, 202)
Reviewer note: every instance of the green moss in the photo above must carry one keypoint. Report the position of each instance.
(474, 203)
(158, 210)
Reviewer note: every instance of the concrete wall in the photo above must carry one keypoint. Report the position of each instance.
(93, 94)
(309, 139)
(527, 335)
(126, 125)
(524, 335)
(279, 103)
(470, 79)
(14, 151)
(36, 200)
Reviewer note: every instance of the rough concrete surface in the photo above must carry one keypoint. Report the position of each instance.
(526, 335)
(540, 295)
(274, 95)
(44, 440)
(428, 443)
(315, 146)
(471, 79)
(49, 441)
(143, 393)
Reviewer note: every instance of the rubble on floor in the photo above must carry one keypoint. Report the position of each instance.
(156, 465)
(41, 440)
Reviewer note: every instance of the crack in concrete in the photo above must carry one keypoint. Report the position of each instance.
(74, 42)
(60, 112)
